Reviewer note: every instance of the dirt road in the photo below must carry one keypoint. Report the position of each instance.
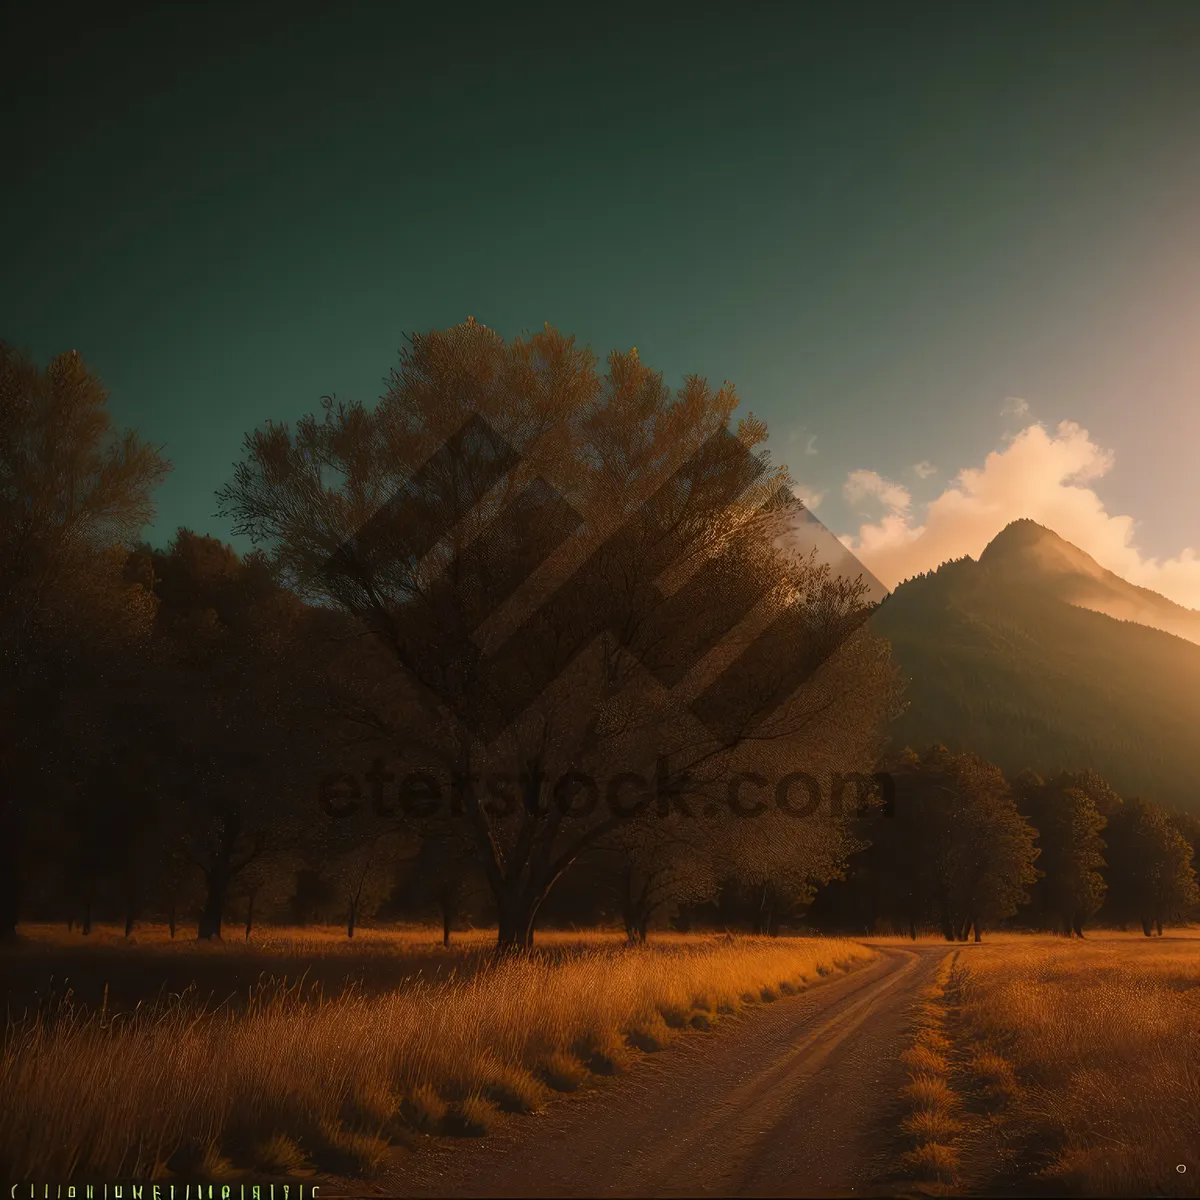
(799, 1098)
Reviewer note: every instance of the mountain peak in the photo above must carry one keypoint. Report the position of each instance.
(1034, 555)
(1024, 531)
(1044, 550)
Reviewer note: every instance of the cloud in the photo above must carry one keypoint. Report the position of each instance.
(1040, 474)
(924, 469)
(861, 484)
(807, 496)
(1014, 406)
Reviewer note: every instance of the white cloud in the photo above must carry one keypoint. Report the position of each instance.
(1039, 474)
(861, 484)
(808, 496)
(924, 469)
(1014, 406)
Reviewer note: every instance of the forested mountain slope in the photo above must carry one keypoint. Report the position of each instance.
(999, 657)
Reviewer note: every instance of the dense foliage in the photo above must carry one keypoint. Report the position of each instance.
(191, 735)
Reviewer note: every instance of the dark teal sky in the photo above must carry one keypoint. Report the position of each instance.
(878, 221)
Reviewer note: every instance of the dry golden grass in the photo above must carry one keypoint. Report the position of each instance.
(932, 1122)
(932, 1159)
(930, 1093)
(331, 1082)
(1095, 1048)
(930, 1125)
(924, 1059)
(285, 940)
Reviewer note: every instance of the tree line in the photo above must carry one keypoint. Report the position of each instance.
(964, 849)
(512, 565)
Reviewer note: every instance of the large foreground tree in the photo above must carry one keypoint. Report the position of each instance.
(579, 611)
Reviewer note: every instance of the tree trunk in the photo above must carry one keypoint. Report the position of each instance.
(71, 924)
(630, 909)
(945, 921)
(1146, 926)
(249, 914)
(515, 928)
(10, 878)
(129, 907)
(350, 922)
(171, 918)
(766, 906)
(912, 929)
(214, 908)
(978, 931)
(86, 927)
(1078, 925)
(450, 904)
(1158, 925)
(635, 927)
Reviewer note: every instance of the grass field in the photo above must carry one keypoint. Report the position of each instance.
(107, 969)
(291, 1081)
(1071, 1066)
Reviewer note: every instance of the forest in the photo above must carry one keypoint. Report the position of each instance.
(173, 715)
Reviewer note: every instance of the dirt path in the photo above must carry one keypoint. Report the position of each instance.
(796, 1099)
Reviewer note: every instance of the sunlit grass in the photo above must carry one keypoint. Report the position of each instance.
(931, 1105)
(291, 1082)
(1094, 1050)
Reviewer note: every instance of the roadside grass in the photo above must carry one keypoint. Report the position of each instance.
(296, 1082)
(1093, 1051)
(932, 1107)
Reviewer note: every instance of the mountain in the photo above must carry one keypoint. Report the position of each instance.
(1038, 554)
(1028, 657)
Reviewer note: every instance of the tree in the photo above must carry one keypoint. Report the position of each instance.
(977, 850)
(263, 885)
(658, 866)
(72, 492)
(540, 556)
(1187, 825)
(1151, 879)
(1069, 826)
(247, 726)
(362, 875)
(443, 876)
(313, 896)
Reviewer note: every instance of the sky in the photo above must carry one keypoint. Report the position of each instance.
(950, 253)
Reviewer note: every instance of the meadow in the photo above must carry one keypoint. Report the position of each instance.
(1061, 1067)
(292, 1079)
